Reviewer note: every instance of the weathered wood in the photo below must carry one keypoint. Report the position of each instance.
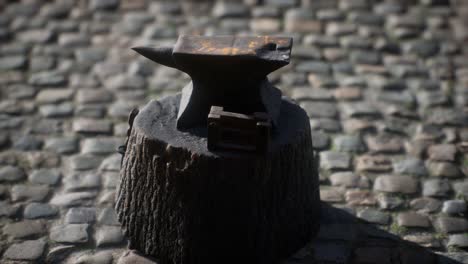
(181, 203)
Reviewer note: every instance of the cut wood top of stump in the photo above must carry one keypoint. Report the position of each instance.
(157, 121)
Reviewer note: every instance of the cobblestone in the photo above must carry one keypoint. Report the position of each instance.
(12, 63)
(360, 197)
(101, 257)
(80, 181)
(103, 4)
(436, 188)
(91, 126)
(71, 233)
(346, 179)
(84, 162)
(52, 96)
(45, 176)
(80, 215)
(334, 160)
(62, 145)
(48, 78)
(33, 193)
(412, 219)
(7, 209)
(25, 229)
(108, 235)
(100, 145)
(410, 166)
(451, 224)
(10, 174)
(320, 140)
(27, 143)
(389, 202)
(426, 205)
(70, 199)
(349, 144)
(38, 210)
(444, 169)
(60, 110)
(331, 195)
(458, 240)
(133, 257)
(442, 152)
(454, 207)
(396, 184)
(374, 216)
(370, 163)
(108, 216)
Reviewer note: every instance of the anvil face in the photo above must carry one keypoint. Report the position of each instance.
(235, 46)
(239, 56)
(226, 71)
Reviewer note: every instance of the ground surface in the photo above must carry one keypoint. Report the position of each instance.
(385, 84)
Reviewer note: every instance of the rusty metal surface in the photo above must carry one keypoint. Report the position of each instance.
(273, 48)
(228, 55)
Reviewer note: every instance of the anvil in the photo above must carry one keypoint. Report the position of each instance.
(226, 71)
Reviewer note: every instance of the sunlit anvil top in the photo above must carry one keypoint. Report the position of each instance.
(226, 71)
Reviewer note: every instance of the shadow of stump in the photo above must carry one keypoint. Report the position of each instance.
(344, 238)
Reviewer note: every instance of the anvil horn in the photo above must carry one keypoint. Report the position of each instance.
(161, 55)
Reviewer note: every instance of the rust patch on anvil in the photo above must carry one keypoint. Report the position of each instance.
(232, 46)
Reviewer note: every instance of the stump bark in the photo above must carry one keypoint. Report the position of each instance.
(183, 204)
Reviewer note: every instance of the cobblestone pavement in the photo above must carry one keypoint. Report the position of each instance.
(385, 84)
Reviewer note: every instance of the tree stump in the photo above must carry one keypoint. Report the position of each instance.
(181, 203)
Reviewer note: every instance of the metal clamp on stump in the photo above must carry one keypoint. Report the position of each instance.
(234, 131)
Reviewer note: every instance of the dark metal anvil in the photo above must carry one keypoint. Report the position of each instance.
(226, 71)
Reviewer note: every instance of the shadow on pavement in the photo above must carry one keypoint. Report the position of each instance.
(344, 238)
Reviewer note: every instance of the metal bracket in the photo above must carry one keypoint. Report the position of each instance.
(234, 131)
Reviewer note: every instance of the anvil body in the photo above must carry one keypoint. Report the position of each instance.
(226, 71)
